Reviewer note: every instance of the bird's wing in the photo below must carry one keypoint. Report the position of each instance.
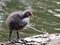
(24, 22)
(19, 21)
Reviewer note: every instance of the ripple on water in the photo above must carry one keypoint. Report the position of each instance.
(58, 2)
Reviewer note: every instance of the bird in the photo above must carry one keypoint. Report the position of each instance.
(18, 20)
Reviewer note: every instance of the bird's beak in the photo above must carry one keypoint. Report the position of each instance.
(31, 16)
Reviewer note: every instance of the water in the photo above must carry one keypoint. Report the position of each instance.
(46, 16)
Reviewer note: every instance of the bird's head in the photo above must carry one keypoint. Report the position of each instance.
(28, 13)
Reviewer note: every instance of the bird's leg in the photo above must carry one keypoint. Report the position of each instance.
(10, 34)
(20, 39)
(17, 34)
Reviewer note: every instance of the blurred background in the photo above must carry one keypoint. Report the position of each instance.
(46, 16)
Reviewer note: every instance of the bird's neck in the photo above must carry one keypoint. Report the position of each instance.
(25, 15)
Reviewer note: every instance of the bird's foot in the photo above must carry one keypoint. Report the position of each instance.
(15, 41)
(22, 41)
